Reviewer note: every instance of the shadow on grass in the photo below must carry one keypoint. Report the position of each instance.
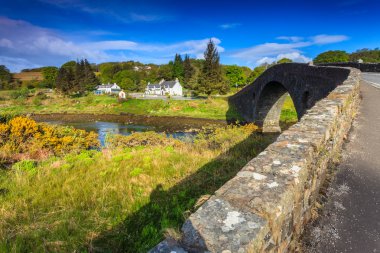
(169, 208)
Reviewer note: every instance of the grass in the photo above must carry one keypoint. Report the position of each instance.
(213, 108)
(120, 199)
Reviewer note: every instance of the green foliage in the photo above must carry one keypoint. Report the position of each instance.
(188, 72)
(235, 75)
(50, 76)
(284, 60)
(256, 73)
(125, 79)
(367, 55)
(166, 71)
(332, 56)
(20, 94)
(178, 68)
(5, 76)
(77, 79)
(211, 79)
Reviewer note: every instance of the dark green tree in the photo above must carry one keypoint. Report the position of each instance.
(5, 77)
(332, 56)
(188, 71)
(65, 80)
(90, 79)
(211, 78)
(178, 68)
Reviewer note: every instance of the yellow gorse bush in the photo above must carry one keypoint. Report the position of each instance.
(22, 135)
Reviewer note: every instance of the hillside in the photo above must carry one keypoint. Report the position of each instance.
(27, 76)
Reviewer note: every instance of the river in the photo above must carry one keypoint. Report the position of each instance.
(178, 127)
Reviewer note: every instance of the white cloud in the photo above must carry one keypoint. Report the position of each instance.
(229, 25)
(6, 43)
(39, 46)
(269, 52)
(290, 38)
(328, 39)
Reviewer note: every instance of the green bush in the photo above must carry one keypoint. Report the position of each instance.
(21, 93)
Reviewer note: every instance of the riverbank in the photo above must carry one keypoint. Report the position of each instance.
(161, 123)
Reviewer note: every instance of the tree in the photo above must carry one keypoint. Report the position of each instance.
(69, 64)
(5, 76)
(90, 79)
(77, 79)
(235, 75)
(178, 67)
(125, 79)
(332, 56)
(367, 55)
(256, 73)
(50, 75)
(166, 71)
(211, 79)
(188, 71)
(108, 70)
(65, 79)
(284, 60)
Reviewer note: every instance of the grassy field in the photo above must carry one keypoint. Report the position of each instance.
(213, 108)
(124, 198)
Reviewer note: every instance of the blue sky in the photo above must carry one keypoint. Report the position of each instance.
(37, 33)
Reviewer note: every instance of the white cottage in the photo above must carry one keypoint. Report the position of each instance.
(172, 88)
(107, 89)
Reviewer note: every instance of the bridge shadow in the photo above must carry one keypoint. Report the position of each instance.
(168, 208)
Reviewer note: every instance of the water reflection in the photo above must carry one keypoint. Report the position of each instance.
(103, 128)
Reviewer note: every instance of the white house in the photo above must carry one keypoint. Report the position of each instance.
(172, 88)
(107, 89)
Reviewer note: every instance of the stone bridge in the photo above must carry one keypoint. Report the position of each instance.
(265, 207)
(261, 102)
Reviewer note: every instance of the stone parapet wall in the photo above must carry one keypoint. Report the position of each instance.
(364, 67)
(265, 206)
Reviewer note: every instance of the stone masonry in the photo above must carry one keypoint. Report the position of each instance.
(265, 207)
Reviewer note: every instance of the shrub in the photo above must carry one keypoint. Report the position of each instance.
(21, 93)
(23, 137)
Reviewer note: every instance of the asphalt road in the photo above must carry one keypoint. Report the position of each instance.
(372, 79)
(351, 217)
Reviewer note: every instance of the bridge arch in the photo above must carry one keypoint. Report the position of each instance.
(261, 101)
(268, 107)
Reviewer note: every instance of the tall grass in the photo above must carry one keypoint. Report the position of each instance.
(120, 199)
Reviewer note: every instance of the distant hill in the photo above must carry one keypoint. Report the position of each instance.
(28, 76)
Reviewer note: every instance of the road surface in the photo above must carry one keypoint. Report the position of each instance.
(351, 217)
(372, 78)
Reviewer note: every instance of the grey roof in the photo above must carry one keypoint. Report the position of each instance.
(168, 84)
(151, 86)
(104, 86)
(165, 84)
